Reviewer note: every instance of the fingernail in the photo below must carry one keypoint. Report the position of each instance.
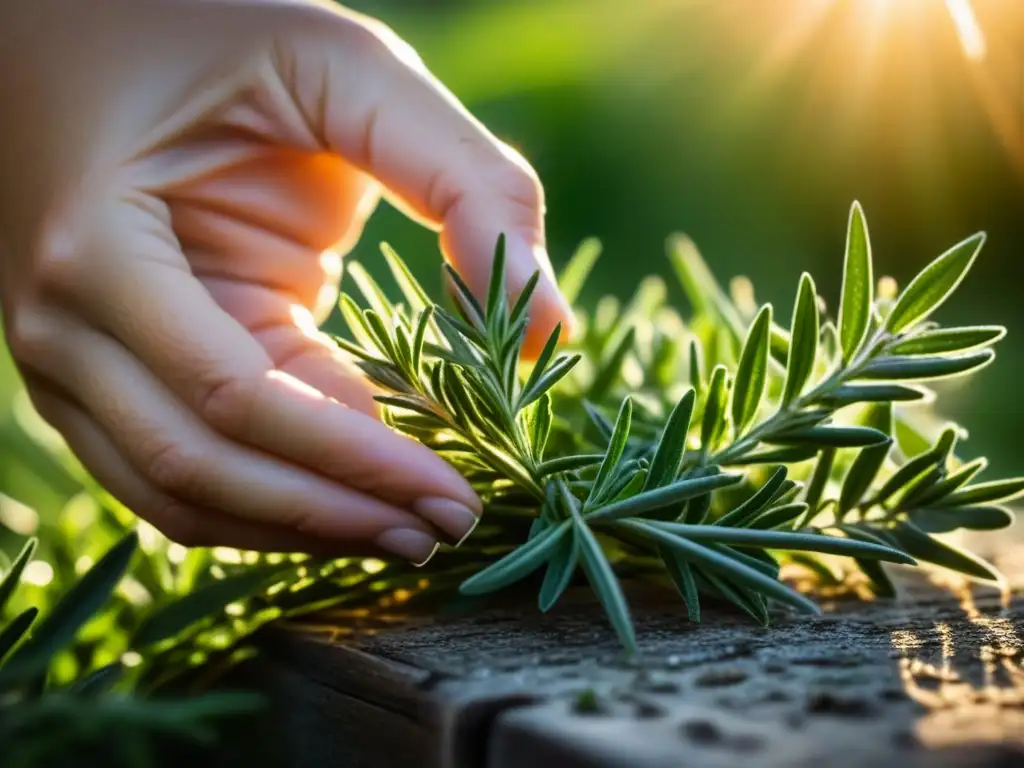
(452, 517)
(415, 546)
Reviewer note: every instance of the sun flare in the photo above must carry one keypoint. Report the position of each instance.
(859, 60)
(967, 28)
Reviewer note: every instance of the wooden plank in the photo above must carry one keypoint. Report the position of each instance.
(923, 680)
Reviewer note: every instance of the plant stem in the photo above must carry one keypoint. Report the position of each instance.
(778, 421)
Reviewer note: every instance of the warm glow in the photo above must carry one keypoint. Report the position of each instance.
(967, 28)
(889, 63)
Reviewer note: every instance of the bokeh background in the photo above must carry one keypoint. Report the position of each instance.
(751, 125)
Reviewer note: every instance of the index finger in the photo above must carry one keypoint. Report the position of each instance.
(381, 109)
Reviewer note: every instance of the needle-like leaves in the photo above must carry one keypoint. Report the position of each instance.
(497, 298)
(16, 629)
(10, 580)
(668, 456)
(752, 373)
(943, 341)
(546, 446)
(616, 445)
(415, 296)
(833, 437)
(872, 393)
(714, 408)
(719, 563)
(778, 517)
(518, 564)
(696, 367)
(803, 346)
(558, 370)
(759, 501)
(602, 577)
(996, 491)
(922, 546)
(371, 291)
(541, 425)
(934, 284)
(561, 569)
(926, 368)
(811, 542)
(858, 285)
(77, 606)
(950, 483)
(682, 576)
(946, 519)
(564, 488)
(663, 497)
(869, 461)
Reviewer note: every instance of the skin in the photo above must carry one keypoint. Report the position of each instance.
(179, 180)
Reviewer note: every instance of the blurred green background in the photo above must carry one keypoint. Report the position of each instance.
(749, 124)
(752, 125)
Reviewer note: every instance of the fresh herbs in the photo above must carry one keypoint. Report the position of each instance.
(710, 451)
(720, 447)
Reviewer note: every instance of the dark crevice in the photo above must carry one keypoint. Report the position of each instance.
(470, 737)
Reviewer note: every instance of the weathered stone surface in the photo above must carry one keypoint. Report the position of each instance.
(926, 680)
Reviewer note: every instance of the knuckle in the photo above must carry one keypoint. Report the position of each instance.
(517, 180)
(487, 171)
(325, 28)
(372, 34)
(391, 44)
(227, 403)
(174, 468)
(367, 36)
(29, 336)
(57, 263)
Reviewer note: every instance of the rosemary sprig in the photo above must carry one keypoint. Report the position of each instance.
(639, 463)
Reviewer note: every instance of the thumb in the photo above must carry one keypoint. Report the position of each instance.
(384, 112)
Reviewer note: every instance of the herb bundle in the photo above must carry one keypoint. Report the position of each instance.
(712, 450)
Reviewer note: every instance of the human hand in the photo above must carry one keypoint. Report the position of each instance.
(178, 182)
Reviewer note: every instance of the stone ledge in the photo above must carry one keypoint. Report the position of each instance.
(924, 680)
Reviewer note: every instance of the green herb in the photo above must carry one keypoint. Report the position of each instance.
(679, 472)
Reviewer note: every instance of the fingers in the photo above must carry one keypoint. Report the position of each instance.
(384, 112)
(186, 524)
(271, 215)
(179, 338)
(183, 460)
(214, 364)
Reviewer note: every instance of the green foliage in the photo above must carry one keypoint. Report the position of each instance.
(857, 295)
(677, 477)
(710, 452)
(42, 723)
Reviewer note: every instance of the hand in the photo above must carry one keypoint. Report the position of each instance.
(178, 182)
